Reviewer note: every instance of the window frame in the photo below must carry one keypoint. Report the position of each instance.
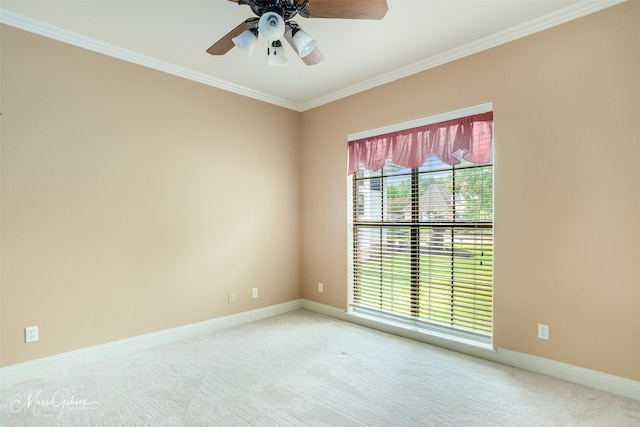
(450, 332)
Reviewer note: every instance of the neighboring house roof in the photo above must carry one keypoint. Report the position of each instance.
(437, 200)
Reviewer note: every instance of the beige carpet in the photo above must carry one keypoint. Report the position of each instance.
(304, 369)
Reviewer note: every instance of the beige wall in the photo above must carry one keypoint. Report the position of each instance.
(567, 199)
(133, 201)
(123, 210)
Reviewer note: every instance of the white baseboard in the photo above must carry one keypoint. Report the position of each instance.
(572, 373)
(36, 368)
(587, 377)
(13, 374)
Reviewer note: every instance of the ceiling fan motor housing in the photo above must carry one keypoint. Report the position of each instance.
(287, 9)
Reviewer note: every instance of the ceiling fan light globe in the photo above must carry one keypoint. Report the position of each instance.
(304, 43)
(246, 41)
(277, 56)
(271, 26)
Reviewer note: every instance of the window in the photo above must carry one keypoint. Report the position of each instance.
(421, 244)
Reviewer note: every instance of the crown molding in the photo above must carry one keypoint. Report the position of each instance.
(569, 13)
(53, 32)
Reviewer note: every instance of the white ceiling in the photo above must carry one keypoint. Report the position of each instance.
(172, 36)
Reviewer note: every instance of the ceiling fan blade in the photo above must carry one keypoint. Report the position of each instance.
(347, 9)
(314, 57)
(225, 44)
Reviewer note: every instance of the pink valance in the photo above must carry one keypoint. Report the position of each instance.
(467, 138)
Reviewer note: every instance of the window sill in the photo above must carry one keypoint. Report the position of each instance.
(427, 336)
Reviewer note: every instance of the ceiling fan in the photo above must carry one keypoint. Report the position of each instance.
(274, 22)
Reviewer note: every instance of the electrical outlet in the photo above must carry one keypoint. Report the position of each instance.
(254, 293)
(232, 297)
(320, 287)
(31, 334)
(543, 331)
